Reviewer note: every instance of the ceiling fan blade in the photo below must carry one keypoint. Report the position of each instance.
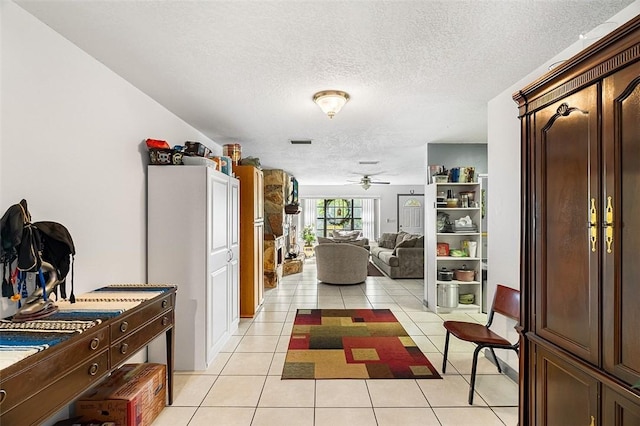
(373, 182)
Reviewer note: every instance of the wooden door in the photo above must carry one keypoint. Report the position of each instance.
(258, 265)
(258, 205)
(619, 409)
(565, 394)
(620, 244)
(566, 145)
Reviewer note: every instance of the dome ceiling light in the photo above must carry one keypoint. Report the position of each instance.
(331, 101)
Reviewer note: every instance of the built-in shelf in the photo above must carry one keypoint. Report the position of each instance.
(450, 290)
(457, 282)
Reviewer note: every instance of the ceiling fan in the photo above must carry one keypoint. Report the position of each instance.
(366, 182)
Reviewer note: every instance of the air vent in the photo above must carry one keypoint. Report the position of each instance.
(368, 162)
(301, 142)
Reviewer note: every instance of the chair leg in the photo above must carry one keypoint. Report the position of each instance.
(474, 367)
(495, 358)
(446, 350)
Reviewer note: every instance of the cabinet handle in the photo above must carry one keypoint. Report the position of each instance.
(123, 348)
(164, 303)
(124, 326)
(93, 370)
(593, 421)
(165, 321)
(608, 225)
(593, 224)
(3, 395)
(94, 343)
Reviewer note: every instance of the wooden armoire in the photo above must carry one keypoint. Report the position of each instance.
(580, 279)
(251, 239)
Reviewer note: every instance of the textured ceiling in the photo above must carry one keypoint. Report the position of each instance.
(245, 71)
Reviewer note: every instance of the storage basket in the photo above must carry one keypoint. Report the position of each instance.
(163, 156)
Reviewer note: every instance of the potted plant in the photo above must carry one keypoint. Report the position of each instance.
(309, 237)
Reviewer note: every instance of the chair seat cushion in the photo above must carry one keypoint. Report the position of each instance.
(477, 333)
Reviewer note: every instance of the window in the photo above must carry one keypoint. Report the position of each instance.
(338, 214)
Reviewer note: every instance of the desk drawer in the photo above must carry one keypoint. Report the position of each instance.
(135, 341)
(24, 384)
(70, 387)
(127, 324)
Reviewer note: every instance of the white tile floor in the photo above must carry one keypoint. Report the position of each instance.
(243, 387)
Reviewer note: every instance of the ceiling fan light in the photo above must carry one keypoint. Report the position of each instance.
(331, 101)
(366, 185)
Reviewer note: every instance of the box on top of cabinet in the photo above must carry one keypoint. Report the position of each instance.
(133, 395)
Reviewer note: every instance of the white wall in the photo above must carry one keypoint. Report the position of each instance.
(387, 195)
(504, 175)
(72, 145)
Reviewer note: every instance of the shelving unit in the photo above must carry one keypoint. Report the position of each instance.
(455, 240)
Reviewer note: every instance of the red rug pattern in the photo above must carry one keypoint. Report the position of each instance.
(353, 344)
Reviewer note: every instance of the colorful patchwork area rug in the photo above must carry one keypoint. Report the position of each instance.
(353, 344)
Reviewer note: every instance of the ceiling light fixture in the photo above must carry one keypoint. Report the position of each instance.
(366, 185)
(331, 101)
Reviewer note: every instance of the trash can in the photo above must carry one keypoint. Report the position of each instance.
(447, 295)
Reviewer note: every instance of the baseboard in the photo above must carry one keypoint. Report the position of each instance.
(508, 370)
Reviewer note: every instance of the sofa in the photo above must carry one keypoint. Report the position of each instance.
(341, 263)
(399, 255)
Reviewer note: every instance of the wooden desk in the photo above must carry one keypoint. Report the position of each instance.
(36, 387)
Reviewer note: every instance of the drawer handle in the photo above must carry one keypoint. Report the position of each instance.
(95, 342)
(124, 326)
(164, 303)
(93, 370)
(123, 348)
(165, 320)
(3, 395)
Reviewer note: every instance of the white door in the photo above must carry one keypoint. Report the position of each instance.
(411, 213)
(217, 321)
(234, 246)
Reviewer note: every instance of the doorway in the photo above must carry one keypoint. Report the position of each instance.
(411, 213)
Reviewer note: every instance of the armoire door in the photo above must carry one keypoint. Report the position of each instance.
(619, 409)
(566, 141)
(258, 264)
(258, 204)
(621, 219)
(565, 394)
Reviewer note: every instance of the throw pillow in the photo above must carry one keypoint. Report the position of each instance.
(410, 242)
(387, 240)
(401, 236)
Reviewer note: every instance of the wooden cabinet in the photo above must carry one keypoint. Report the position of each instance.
(441, 232)
(580, 237)
(34, 388)
(621, 241)
(193, 241)
(251, 239)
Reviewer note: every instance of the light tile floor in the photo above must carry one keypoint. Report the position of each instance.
(243, 387)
